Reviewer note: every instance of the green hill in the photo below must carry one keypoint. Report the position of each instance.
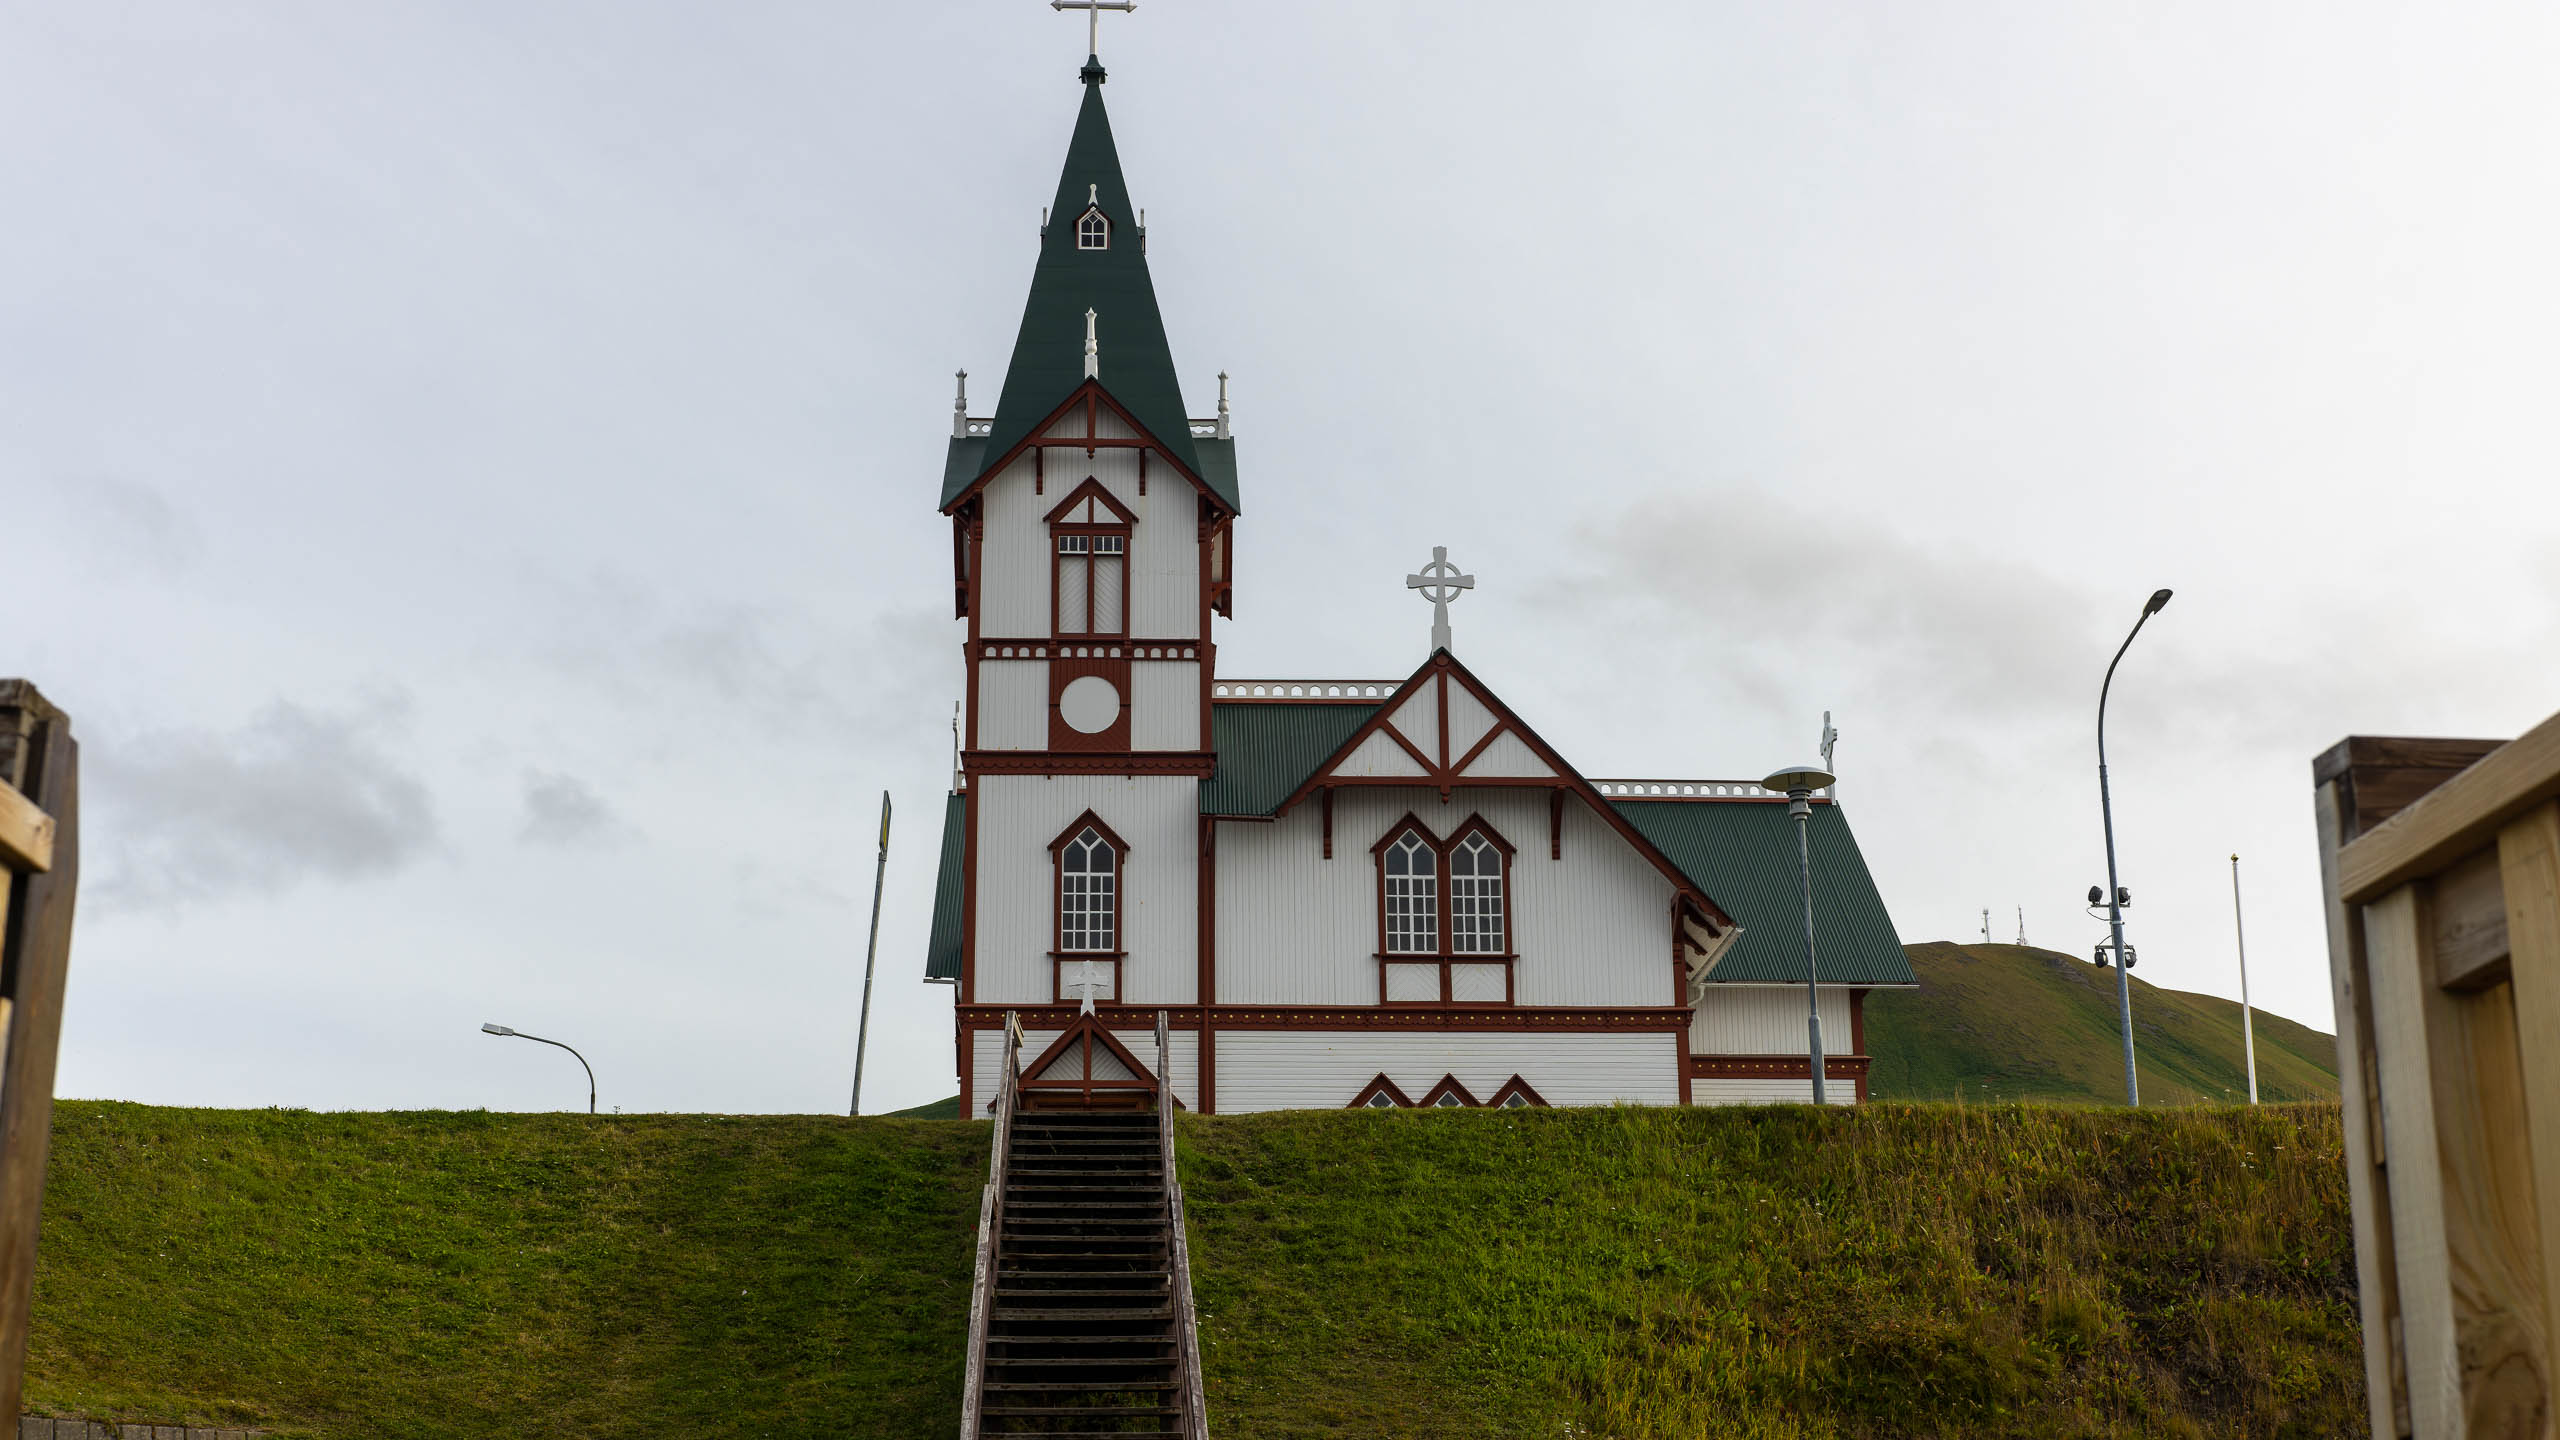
(2011, 1022)
(1637, 1274)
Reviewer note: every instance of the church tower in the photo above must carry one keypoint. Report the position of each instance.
(1091, 530)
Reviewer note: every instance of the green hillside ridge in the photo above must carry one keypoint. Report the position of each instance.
(2012, 1022)
(1642, 1274)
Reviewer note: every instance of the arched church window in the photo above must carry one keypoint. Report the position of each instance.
(1088, 885)
(1475, 897)
(1412, 876)
(1093, 232)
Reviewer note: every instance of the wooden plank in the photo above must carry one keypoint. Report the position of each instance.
(35, 961)
(2459, 816)
(26, 833)
(2470, 918)
(2401, 981)
(2529, 856)
(2386, 1383)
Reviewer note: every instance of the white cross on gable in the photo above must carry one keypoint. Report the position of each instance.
(1093, 24)
(1087, 984)
(1440, 583)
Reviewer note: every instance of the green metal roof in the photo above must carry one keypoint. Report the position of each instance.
(1744, 856)
(942, 950)
(1265, 750)
(1048, 353)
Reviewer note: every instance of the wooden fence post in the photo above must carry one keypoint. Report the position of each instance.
(40, 764)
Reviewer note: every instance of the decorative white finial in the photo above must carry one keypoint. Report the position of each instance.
(1092, 349)
(1093, 26)
(960, 408)
(1093, 193)
(1440, 583)
(1222, 406)
(1088, 983)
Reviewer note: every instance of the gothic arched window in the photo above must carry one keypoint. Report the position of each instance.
(1410, 873)
(1089, 860)
(1444, 916)
(1475, 897)
(1093, 232)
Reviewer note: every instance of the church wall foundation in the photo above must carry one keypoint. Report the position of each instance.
(1318, 1070)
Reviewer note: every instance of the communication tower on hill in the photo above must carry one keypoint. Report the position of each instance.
(2022, 925)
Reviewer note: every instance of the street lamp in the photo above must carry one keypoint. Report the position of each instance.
(2106, 810)
(1798, 786)
(582, 1060)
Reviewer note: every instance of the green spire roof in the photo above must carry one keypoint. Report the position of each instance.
(1048, 355)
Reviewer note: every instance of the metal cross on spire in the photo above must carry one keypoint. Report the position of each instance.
(1440, 583)
(1093, 24)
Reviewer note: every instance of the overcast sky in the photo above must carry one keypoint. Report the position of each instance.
(470, 470)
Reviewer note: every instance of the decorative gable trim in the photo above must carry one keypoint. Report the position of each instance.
(1382, 1086)
(1090, 400)
(1439, 678)
(1100, 494)
(1515, 1089)
(1064, 1072)
(1440, 1096)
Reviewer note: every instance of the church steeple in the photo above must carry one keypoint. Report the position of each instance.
(1092, 258)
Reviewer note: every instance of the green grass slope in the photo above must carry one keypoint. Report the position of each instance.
(1638, 1274)
(2012, 1022)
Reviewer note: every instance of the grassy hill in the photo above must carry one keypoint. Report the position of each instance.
(1637, 1274)
(2012, 1022)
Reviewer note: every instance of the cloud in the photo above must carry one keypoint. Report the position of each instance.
(194, 815)
(139, 524)
(563, 811)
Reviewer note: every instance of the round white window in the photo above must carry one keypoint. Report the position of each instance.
(1089, 704)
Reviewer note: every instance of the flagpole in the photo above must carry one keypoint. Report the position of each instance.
(2248, 1035)
(862, 1039)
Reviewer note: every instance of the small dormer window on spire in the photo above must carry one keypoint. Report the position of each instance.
(1093, 232)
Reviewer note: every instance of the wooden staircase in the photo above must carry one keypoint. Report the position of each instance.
(1081, 1321)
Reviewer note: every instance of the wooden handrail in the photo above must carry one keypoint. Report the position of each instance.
(1186, 1324)
(2454, 819)
(982, 1286)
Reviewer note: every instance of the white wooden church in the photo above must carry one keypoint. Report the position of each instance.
(1345, 892)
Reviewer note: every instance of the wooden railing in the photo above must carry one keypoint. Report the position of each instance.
(2440, 866)
(39, 879)
(1186, 1324)
(982, 1286)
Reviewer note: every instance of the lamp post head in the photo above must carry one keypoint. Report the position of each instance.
(495, 1029)
(2158, 602)
(1807, 778)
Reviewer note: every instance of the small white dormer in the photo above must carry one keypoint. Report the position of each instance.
(1093, 231)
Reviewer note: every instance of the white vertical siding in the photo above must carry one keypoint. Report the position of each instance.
(1765, 1092)
(1509, 757)
(1378, 755)
(1013, 556)
(1300, 1070)
(1419, 720)
(1468, 720)
(988, 1055)
(1294, 928)
(1752, 1020)
(1013, 705)
(1158, 817)
(1164, 703)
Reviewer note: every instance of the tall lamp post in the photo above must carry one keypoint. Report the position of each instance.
(582, 1060)
(871, 957)
(1798, 786)
(2106, 811)
(2248, 1034)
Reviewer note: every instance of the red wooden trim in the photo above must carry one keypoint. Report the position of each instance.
(1516, 1086)
(1555, 823)
(1327, 793)
(1448, 1086)
(1034, 1075)
(1142, 474)
(965, 1046)
(1443, 707)
(1091, 489)
(1430, 768)
(1459, 770)
(969, 897)
(1039, 469)
(1503, 715)
(1089, 391)
(1207, 1065)
(1857, 1038)
(1076, 826)
(1685, 1097)
(1380, 1086)
(1776, 1067)
(1488, 1019)
(1201, 763)
(1205, 988)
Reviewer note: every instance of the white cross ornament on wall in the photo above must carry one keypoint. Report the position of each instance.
(1088, 983)
(1440, 583)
